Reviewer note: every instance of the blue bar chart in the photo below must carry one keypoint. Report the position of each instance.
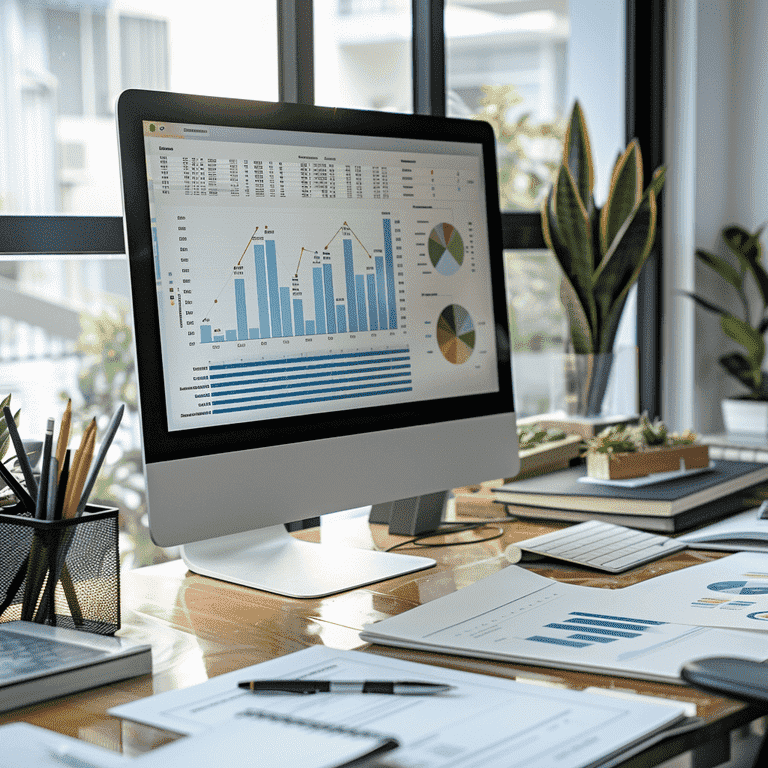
(256, 385)
(344, 300)
(580, 630)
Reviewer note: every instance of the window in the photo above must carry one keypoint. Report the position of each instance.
(363, 54)
(64, 64)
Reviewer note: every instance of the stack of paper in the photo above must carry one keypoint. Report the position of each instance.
(518, 616)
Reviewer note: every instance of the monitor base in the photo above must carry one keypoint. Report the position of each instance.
(272, 560)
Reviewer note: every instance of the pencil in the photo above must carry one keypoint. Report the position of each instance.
(79, 470)
(96, 466)
(61, 445)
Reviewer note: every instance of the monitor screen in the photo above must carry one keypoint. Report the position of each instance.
(303, 277)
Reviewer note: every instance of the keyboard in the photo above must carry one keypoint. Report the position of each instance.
(605, 546)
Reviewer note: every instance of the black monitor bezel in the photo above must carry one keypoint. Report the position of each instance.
(160, 444)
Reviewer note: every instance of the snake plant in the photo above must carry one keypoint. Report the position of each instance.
(749, 329)
(601, 251)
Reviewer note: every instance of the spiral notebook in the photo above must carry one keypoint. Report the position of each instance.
(285, 741)
(254, 737)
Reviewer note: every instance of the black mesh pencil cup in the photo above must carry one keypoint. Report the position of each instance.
(64, 573)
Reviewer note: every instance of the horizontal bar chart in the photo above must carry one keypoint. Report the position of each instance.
(250, 386)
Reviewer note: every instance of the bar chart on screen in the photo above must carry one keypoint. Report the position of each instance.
(294, 277)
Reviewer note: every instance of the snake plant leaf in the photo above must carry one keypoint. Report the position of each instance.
(610, 325)
(625, 192)
(727, 271)
(743, 333)
(577, 155)
(741, 369)
(551, 232)
(763, 326)
(581, 330)
(657, 180)
(706, 304)
(568, 218)
(622, 264)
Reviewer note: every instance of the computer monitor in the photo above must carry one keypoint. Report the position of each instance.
(320, 323)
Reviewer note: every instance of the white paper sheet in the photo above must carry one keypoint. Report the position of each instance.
(515, 615)
(486, 721)
(745, 532)
(23, 745)
(731, 592)
(245, 742)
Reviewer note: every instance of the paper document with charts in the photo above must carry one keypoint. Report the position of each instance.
(731, 592)
(516, 615)
(484, 721)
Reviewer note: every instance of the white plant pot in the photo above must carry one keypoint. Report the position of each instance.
(746, 417)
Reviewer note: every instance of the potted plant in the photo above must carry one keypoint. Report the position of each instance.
(601, 250)
(744, 272)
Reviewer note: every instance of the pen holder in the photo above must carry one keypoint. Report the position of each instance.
(65, 573)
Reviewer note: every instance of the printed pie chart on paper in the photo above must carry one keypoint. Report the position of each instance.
(456, 334)
(446, 249)
(740, 587)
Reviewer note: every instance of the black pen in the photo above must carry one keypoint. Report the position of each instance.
(398, 687)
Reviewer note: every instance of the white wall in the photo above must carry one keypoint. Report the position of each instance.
(717, 152)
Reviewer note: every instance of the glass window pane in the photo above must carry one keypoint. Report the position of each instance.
(539, 330)
(58, 152)
(65, 332)
(363, 54)
(520, 65)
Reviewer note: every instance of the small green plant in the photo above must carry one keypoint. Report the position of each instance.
(652, 434)
(601, 251)
(644, 436)
(616, 439)
(744, 273)
(533, 435)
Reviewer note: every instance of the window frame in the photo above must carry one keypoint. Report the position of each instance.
(645, 64)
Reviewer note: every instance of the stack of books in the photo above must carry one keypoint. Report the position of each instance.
(671, 506)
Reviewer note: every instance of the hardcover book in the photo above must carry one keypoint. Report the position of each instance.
(563, 490)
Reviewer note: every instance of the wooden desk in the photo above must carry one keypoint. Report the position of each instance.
(199, 628)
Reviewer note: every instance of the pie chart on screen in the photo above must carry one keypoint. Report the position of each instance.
(446, 249)
(456, 334)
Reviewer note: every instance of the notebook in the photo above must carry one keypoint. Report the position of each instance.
(300, 742)
(290, 742)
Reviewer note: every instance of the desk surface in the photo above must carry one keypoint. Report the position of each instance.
(199, 628)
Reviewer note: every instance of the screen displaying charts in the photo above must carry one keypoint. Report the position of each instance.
(304, 278)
